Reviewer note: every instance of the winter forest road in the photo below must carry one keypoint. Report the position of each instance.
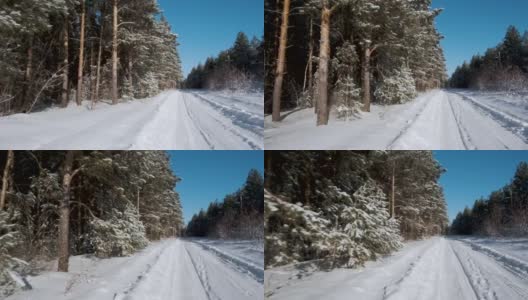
(438, 268)
(187, 270)
(176, 120)
(437, 120)
(165, 270)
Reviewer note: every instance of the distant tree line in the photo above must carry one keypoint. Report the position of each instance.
(504, 67)
(239, 68)
(54, 204)
(239, 215)
(504, 212)
(56, 51)
(347, 207)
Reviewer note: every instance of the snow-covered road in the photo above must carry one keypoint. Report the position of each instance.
(437, 120)
(438, 268)
(171, 269)
(173, 120)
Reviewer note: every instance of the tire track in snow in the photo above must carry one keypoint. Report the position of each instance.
(133, 285)
(457, 117)
(241, 118)
(239, 265)
(420, 267)
(516, 266)
(406, 128)
(509, 122)
(244, 139)
(202, 133)
(202, 275)
(462, 131)
(394, 287)
(477, 280)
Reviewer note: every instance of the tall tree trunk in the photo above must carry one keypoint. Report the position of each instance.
(26, 94)
(114, 56)
(92, 60)
(308, 81)
(65, 73)
(64, 220)
(98, 73)
(392, 204)
(281, 61)
(5, 179)
(81, 56)
(29, 66)
(324, 54)
(365, 70)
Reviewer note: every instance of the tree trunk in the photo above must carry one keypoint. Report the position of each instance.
(5, 179)
(29, 66)
(281, 61)
(64, 221)
(114, 56)
(366, 79)
(81, 56)
(392, 204)
(98, 73)
(92, 60)
(309, 66)
(26, 94)
(65, 73)
(324, 54)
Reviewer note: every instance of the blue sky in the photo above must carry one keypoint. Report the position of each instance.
(472, 26)
(210, 175)
(207, 27)
(474, 174)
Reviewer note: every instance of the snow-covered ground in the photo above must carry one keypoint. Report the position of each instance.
(170, 269)
(175, 120)
(437, 120)
(437, 268)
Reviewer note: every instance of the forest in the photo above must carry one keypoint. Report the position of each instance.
(348, 207)
(501, 68)
(58, 51)
(56, 204)
(238, 216)
(503, 213)
(240, 67)
(347, 54)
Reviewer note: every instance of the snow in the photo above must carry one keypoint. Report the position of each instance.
(170, 269)
(437, 268)
(436, 120)
(176, 120)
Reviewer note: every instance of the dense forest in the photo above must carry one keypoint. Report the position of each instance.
(238, 216)
(346, 207)
(503, 67)
(54, 204)
(239, 68)
(54, 51)
(504, 212)
(349, 53)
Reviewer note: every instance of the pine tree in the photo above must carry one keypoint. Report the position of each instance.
(279, 77)
(397, 88)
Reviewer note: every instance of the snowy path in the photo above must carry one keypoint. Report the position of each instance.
(437, 120)
(437, 268)
(172, 269)
(173, 120)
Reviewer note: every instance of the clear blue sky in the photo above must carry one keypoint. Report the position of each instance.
(474, 174)
(472, 26)
(207, 27)
(210, 175)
